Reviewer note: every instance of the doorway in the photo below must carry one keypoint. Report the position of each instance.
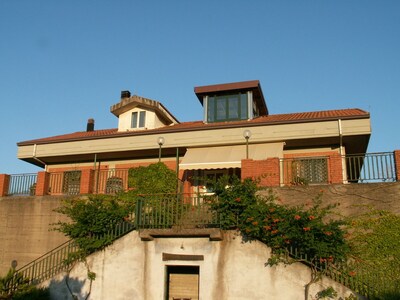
(182, 283)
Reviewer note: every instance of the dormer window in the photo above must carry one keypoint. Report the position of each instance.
(138, 119)
(227, 107)
(232, 101)
(139, 113)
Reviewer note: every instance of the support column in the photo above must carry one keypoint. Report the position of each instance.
(336, 169)
(42, 183)
(87, 181)
(397, 163)
(4, 184)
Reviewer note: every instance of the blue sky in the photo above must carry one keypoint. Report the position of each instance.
(62, 62)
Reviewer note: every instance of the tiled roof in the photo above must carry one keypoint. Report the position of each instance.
(327, 115)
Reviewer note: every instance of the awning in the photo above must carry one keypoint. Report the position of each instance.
(227, 156)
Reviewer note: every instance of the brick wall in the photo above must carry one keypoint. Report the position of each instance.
(4, 184)
(397, 163)
(335, 170)
(267, 171)
(171, 164)
(42, 183)
(87, 181)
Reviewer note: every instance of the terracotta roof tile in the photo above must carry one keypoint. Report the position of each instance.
(199, 125)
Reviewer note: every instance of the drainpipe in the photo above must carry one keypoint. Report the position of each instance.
(37, 159)
(340, 136)
(177, 170)
(343, 159)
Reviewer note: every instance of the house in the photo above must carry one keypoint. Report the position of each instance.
(238, 135)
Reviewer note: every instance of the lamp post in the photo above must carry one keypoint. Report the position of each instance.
(160, 142)
(247, 135)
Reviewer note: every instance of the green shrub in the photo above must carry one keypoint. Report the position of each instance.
(91, 219)
(307, 229)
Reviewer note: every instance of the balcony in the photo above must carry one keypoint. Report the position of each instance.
(312, 170)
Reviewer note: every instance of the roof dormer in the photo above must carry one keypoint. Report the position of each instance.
(139, 113)
(232, 101)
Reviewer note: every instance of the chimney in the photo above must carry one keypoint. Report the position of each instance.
(90, 125)
(125, 94)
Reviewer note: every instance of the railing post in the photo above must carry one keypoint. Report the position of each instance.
(397, 164)
(4, 184)
(336, 169)
(42, 183)
(87, 180)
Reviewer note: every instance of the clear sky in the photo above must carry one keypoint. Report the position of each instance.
(62, 62)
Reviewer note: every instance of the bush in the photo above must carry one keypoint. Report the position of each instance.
(308, 230)
(90, 219)
(153, 179)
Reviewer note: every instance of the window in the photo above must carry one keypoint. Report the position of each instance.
(138, 116)
(71, 182)
(227, 108)
(309, 171)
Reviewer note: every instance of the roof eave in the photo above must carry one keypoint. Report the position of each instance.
(209, 126)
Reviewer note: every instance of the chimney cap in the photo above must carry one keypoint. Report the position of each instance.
(90, 125)
(125, 94)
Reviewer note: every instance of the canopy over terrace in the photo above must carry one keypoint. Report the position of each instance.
(228, 156)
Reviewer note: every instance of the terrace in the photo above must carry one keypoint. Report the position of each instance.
(314, 170)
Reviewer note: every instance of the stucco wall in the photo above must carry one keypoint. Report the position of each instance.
(352, 199)
(231, 269)
(24, 221)
(25, 229)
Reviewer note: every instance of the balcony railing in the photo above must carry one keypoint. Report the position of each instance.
(371, 167)
(174, 210)
(363, 168)
(22, 184)
(304, 170)
(111, 181)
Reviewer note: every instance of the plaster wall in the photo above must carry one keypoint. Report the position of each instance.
(24, 221)
(231, 269)
(200, 138)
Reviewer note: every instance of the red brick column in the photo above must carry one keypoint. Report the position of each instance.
(397, 163)
(87, 181)
(267, 171)
(4, 184)
(335, 168)
(42, 183)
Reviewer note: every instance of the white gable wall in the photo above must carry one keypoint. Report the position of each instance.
(152, 120)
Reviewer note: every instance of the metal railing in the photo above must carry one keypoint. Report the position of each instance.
(304, 170)
(151, 211)
(174, 210)
(22, 184)
(371, 167)
(340, 273)
(56, 183)
(59, 259)
(111, 181)
(361, 168)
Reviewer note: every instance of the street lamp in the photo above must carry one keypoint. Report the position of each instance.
(247, 135)
(160, 142)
